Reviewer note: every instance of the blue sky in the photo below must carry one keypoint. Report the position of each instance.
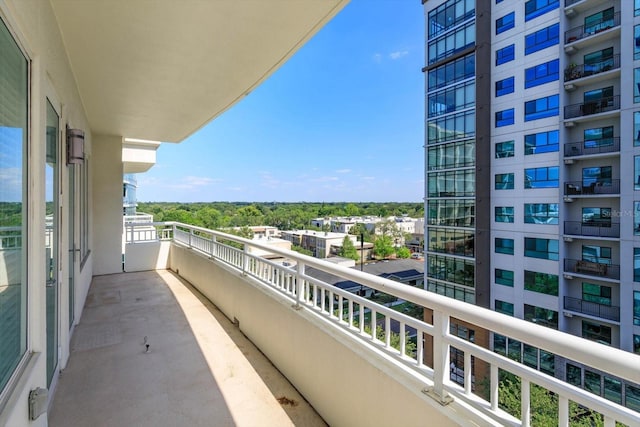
(342, 120)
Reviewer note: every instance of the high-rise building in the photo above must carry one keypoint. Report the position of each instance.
(533, 168)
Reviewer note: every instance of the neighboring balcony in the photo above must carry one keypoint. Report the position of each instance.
(577, 305)
(606, 104)
(592, 148)
(598, 188)
(577, 228)
(596, 32)
(327, 340)
(590, 268)
(583, 74)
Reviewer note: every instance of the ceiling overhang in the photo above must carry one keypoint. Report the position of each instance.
(160, 70)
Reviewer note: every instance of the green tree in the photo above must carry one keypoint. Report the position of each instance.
(403, 252)
(348, 249)
(383, 247)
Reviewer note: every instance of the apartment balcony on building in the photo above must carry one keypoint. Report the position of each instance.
(597, 28)
(572, 7)
(576, 75)
(591, 268)
(604, 147)
(599, 106)
(590, 308)
(604, 229)
(586, 188)
(261, 294)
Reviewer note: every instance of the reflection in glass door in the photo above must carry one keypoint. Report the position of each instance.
(51, 239)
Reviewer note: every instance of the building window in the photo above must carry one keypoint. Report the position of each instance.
(636, 344)
(505, 23)
(636, 181)
(451, 42)
(597, 254)
(599, 217)
(456, 183)
(636, 128)
(535, 8)
(504, 307)
(452, 72)
(636, 218)
(596, 332)
(543, 142)
(598, 137)
(636, 85)
(637, 8)
(453, 155)
(592, 381)
(541, 213)
(636, 308)
(451, 127)
(540, 108)
(453, 213)
(596, 293)
(504, 149)
(542, 73)
(505, 86)
(598, 61)
(632, 397)
(451, 241)
(541, 316)
(541, 39)
(636, 42)
(452, 99)
(574, 375)
(505, 117)
(504, 181)
(14, 131)
(541, 248)
(450, 14)
(543, 283)
(505, 54)
(545, 177)
(504, 213)
(453, 270)
(599, 21)
(504, 277)
(596, 176)
(504, 246)
(636, 264)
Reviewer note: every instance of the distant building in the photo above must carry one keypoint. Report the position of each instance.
(318, 242)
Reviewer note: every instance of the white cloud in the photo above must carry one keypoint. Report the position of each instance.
(398, 54)
(377, 58)
(368, 178)
(191, 183)
(343, 171)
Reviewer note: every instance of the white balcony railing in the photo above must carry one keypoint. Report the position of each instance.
(345, 308)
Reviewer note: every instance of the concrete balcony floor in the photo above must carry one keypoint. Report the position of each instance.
(200, 369)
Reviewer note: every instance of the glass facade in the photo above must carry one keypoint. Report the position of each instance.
(451, 150)
(543, 142)
(504, 277)
(14, 135)
(541, 213)
(542, 73)
(543, 283)
(542, 39)
(541, 248)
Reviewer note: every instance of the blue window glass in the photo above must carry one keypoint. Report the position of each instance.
(504, 246)
(504, 181)
(505, 117)
(545, 177)
(505, 86)
(542, 73)
(535, 8)
(542, 39)
(505, 54)
(543, 142)
(499, 1)
(505, 23)
(541, 248)
(541, 108)
(636, 10)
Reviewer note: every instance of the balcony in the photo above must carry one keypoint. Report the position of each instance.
(593, 269)
(592, 148)
(590, 73)
(577, 305)
(603, 105)
(577, 228)
(598, 188)
(317, 335)
(573, 6)
(582, 36)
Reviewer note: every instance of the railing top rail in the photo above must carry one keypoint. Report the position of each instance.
(611, 360)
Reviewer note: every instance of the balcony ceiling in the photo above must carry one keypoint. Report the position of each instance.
(162, 69)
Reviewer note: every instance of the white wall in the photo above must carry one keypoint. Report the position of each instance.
(107, 204)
